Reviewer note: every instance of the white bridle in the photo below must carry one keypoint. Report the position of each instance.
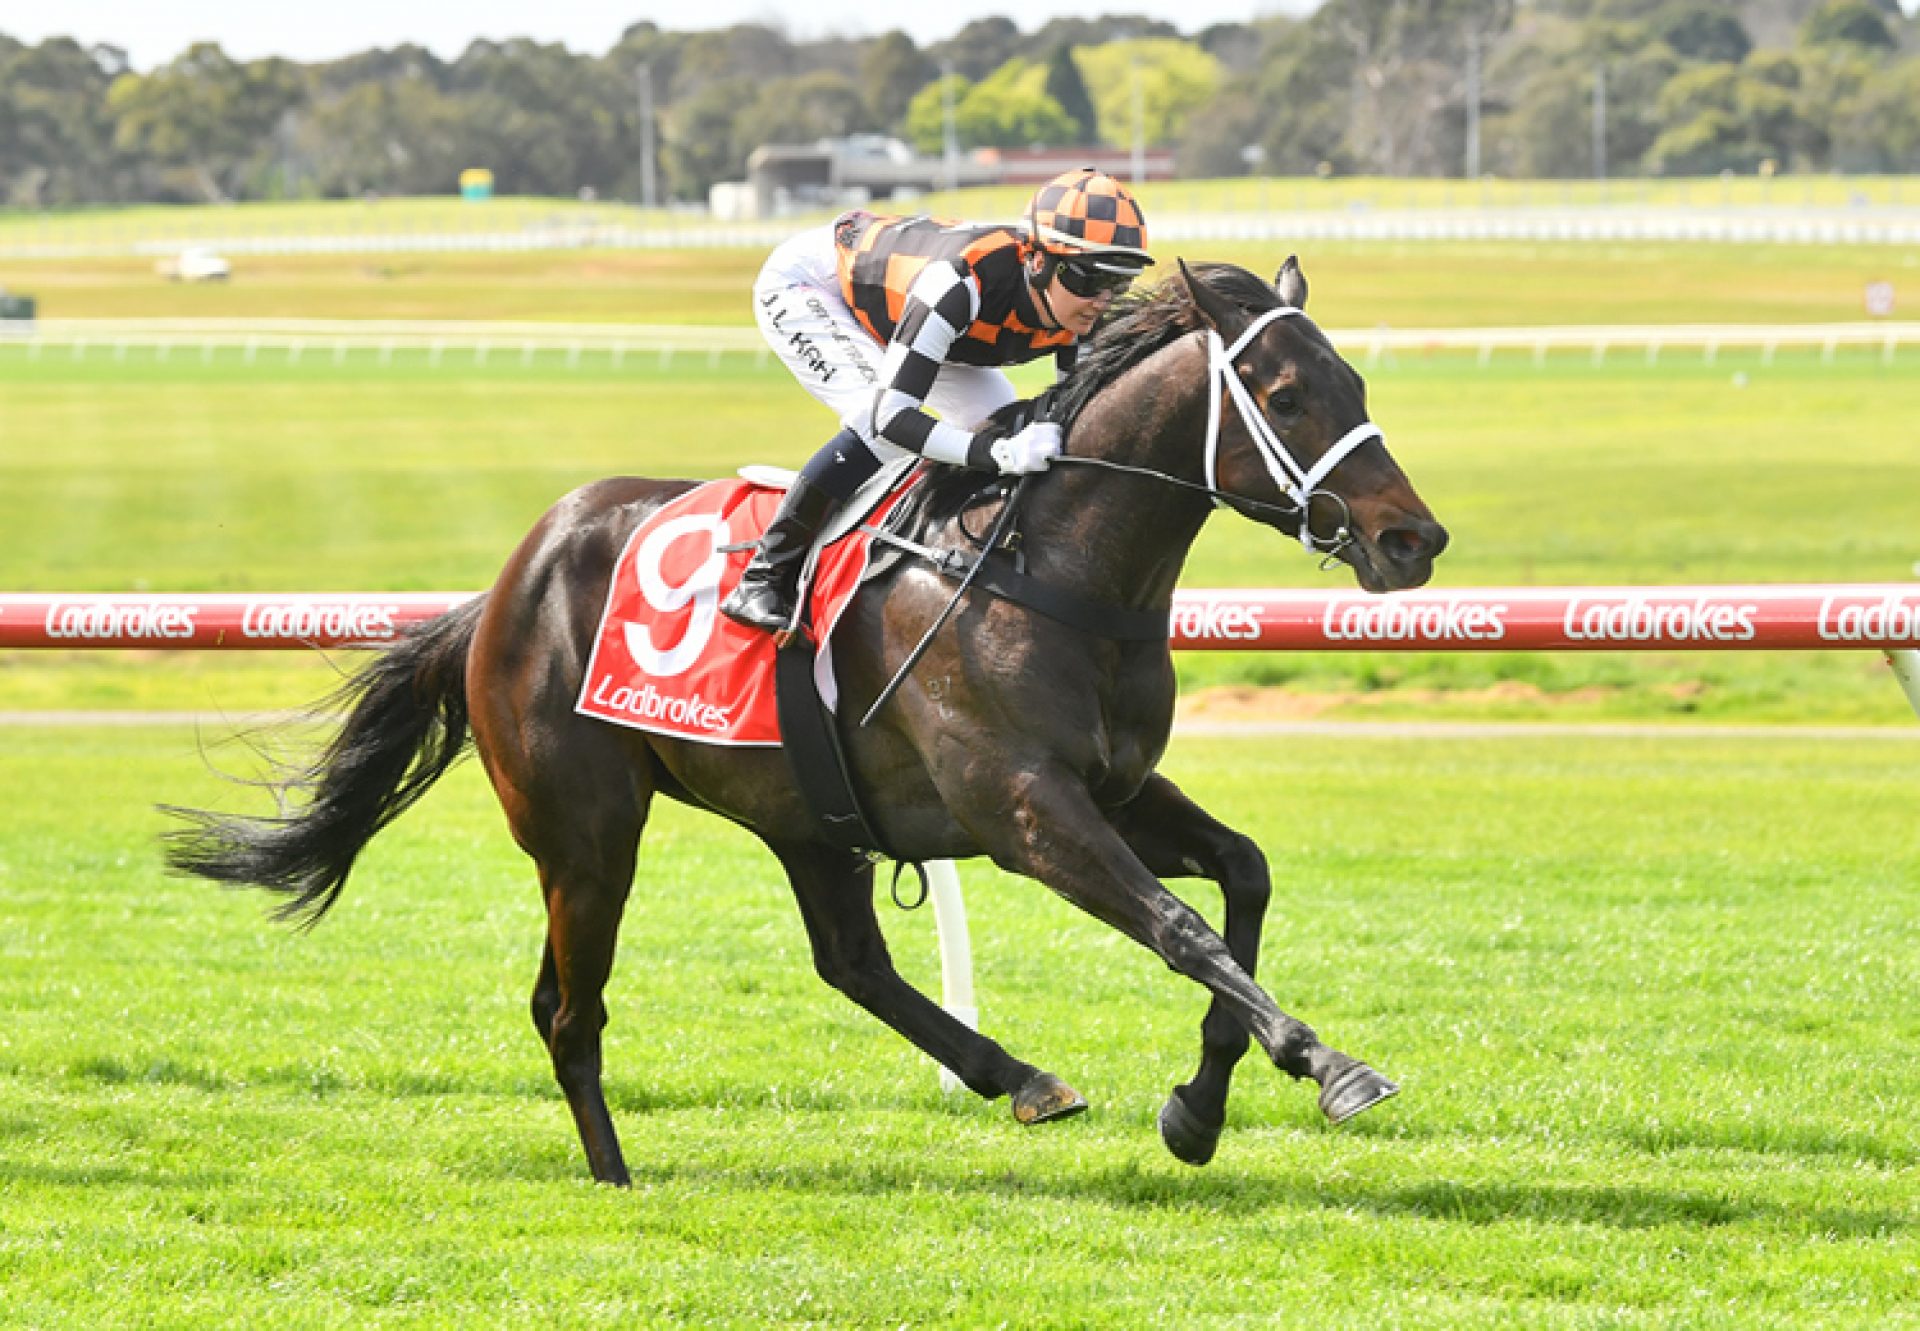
(1298, 483)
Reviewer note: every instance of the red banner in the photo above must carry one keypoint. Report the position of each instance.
(1825, 617)
(216, 621)
(1591, 619)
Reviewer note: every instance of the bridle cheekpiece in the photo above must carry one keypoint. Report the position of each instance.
(1298, 483)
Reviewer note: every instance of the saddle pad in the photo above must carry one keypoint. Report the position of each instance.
(664, 658)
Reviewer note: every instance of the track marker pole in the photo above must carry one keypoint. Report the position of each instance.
(956, 953)
(1906, 669)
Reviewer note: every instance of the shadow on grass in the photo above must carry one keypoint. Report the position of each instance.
(1764, 1138)
(108, 1174)
(1129, 1184)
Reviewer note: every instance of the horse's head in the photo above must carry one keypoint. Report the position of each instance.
(1299, 445)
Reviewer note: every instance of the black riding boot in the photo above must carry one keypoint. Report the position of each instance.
(765, 597)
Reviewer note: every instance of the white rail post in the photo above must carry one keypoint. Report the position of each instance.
(1906, 669)
(956, 953)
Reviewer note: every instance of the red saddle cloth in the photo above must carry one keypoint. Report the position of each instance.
(664, 658)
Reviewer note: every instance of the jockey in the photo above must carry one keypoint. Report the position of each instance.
(884, 318)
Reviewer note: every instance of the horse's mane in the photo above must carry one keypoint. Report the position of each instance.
(1140, 325)
(1136, 327)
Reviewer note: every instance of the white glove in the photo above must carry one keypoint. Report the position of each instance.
(1030, 450)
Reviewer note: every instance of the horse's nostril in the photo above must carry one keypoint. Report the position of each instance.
(1414, 541)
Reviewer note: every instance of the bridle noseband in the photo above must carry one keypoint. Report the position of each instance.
(1300, 484)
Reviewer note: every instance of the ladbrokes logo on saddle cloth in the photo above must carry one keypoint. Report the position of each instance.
(664, 658)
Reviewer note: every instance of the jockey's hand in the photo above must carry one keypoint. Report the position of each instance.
(1030, 450)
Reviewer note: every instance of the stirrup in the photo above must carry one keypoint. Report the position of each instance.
(743, 598)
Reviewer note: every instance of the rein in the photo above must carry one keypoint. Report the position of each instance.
(994, 537)
(1222, 498)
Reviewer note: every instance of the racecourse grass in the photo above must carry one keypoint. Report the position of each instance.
(1650, 999)
(1355, 285)
(1650, 1002)
(595, 286)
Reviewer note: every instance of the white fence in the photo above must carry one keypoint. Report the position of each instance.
(1725, 226)
(1647, 340)
(479, 343)
(558, 237)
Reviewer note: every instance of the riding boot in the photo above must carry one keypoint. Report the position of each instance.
(770, 585)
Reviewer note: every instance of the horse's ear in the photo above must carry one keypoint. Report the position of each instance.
(1290, 284)
(1225, 316)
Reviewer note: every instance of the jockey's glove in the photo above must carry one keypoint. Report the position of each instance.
(1028, 450)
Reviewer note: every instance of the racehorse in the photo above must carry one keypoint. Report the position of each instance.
(1016, 736)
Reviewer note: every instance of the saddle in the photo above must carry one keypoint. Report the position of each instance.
(664, 661)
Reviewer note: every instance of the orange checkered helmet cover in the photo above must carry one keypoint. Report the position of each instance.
(1088, 212)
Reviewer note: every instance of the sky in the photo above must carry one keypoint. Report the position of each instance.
(154, 31)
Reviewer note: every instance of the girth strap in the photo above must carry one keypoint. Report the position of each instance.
(999, 576)
(813, 750)
(818, 762)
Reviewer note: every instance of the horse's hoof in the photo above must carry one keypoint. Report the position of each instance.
(1046, 1098)
(1354, 1090)
(1186, 1136)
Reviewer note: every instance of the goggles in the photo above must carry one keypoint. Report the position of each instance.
(1086, 279)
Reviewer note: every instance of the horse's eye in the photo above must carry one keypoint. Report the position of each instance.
(1284, 404)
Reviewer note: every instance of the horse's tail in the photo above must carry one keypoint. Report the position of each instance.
(407, 724)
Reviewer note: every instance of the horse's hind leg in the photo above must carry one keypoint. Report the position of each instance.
(834, 889)
(546, 994)
(1174, 837)
(584, 902)
(581, 823)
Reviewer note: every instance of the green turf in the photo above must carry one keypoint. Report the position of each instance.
(1354, 285)
(140, 474)
(607, 286)
(404, 217)
(1650, 1001)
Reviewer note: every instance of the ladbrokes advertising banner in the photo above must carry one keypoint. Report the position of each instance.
(217, 621)
(1884, 616)
(1554, 618)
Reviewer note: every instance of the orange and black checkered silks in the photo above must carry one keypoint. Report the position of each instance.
(1087, 210)
(879, 257)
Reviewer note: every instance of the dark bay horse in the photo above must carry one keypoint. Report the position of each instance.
(1015, 736)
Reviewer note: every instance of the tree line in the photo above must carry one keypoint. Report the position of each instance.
(1388, 87)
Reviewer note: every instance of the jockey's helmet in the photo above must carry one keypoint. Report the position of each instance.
(1088, 216)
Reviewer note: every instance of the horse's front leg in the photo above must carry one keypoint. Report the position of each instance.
(1176, 838)
(1048, 827)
